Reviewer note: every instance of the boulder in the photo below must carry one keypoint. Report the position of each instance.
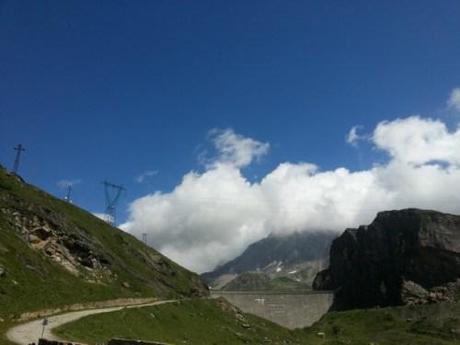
(395, 259)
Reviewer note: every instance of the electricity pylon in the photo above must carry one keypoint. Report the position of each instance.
(112, 195)
(19, 148)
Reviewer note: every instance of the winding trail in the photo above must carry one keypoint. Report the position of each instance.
(29, 332)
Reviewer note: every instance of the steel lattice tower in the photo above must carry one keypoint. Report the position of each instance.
(113, 193)
(19, 148)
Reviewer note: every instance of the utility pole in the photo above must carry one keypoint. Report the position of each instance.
(112, 195)
(19, 148)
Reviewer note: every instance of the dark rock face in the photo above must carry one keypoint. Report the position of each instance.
(370, 266)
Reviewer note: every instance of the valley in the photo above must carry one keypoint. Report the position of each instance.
(59, 259)
(229, 172)
(215, 321)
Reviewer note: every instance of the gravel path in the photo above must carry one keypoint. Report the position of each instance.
(29, 332)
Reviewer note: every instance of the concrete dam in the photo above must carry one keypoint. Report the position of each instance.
(294, 310)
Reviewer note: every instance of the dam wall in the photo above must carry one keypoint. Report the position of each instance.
(288, 310)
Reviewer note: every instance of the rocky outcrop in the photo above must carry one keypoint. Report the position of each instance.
(402, 253)
(64, 243)
(412, 293)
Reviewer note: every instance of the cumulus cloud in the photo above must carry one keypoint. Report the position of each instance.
(211, 217)
(418, 141)
(145, 175)
(454, 100)
(353, 136)
(236, 150)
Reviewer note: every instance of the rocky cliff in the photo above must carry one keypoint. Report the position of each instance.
(401, 255)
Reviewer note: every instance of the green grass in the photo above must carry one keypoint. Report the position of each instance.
(257, 281)
(190, 322)
(32, 281)
(437, 324)
(203, 322)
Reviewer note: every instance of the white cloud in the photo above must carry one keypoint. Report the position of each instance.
(353, 137)
(417, 140)
(236, 150)
(66, 183)
(207, 218)
(145, 175)
(211, 217)
(454, 99)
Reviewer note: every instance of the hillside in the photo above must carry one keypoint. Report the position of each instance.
(53, 253)
(298, 257)
(257, 281)
(199, 322)
(210, 322)
(408, 256)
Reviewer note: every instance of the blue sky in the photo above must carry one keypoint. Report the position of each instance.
(111, 89)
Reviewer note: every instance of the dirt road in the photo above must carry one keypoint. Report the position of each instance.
(29, 332)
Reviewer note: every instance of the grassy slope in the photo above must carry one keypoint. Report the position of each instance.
(32, 281)
(201, 322)
(256, 281)
(436, 324)
(198, 322)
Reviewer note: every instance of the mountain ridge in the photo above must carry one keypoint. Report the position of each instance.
(298, 255)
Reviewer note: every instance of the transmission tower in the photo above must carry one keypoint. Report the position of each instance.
(144, 237)
(112, 195)
(19, 148)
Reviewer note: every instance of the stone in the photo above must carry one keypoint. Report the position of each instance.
(392, 260)
(34, 239)
(412, 293)
(2, 271)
